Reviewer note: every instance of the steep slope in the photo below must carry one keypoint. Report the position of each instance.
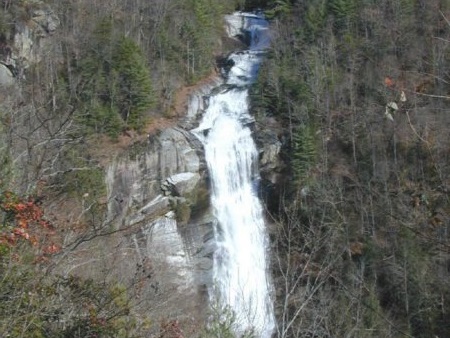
(362, 88)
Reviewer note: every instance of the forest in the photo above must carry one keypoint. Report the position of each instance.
(360, 214)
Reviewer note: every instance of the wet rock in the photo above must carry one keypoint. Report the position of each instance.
(272, 167)
(205, 264)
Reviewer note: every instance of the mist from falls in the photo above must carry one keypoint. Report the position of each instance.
(241, 280)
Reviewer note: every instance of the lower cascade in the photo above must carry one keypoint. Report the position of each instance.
(240, 272)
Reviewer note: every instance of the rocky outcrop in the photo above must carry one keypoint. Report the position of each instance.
(157, 192)
(180, 152)
(197, 102)
(29, 41)
(6, 77)
(269, 145)
(269, 141)
(150, 173)
(182, 184)
(45, 21)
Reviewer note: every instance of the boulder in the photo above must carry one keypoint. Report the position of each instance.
(183, 184)
(6, 77)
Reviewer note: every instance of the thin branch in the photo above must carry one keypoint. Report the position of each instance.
(445, 18)
(442, 39)
(414, 129)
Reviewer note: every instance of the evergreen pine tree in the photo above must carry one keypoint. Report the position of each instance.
(304, 152)
(135, 92)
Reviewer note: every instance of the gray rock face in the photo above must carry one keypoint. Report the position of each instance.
(171, 161)
(6, 77)
(197, 103)
(182, 184)
(158, 206)
(46, 21)
(271, 166)
(146, 186)
(269, 150)
(180, 152)
(30, 40)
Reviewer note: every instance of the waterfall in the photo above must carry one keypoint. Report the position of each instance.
(240, 269)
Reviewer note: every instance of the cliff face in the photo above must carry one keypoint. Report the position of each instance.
(159, 190)
(28, 42)
(150, 176)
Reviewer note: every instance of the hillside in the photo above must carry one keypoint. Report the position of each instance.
(362, 88)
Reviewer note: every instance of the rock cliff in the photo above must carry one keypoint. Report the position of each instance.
(157, 190)
(28, 42)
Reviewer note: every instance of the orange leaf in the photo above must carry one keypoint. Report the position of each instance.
(388, 82)
(22, 223)
(51, 249)
(20, 206)
(33, 240)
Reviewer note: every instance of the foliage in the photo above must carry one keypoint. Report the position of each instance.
(6, 165)
(304, 152)
(36, 305)
(345, 11)
(134, 93)
(362, 251)
(222, 324)
(116, 83)
(102, 119)
(23, 220)
(315, 20)
(279, 8)
(5, 26)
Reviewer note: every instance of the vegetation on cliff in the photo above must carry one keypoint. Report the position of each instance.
(362, 88)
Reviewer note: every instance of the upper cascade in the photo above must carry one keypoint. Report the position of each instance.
(255, 30)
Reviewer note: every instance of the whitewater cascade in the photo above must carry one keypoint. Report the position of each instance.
(241, 280)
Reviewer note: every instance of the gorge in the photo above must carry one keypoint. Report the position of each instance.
(168, 171)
